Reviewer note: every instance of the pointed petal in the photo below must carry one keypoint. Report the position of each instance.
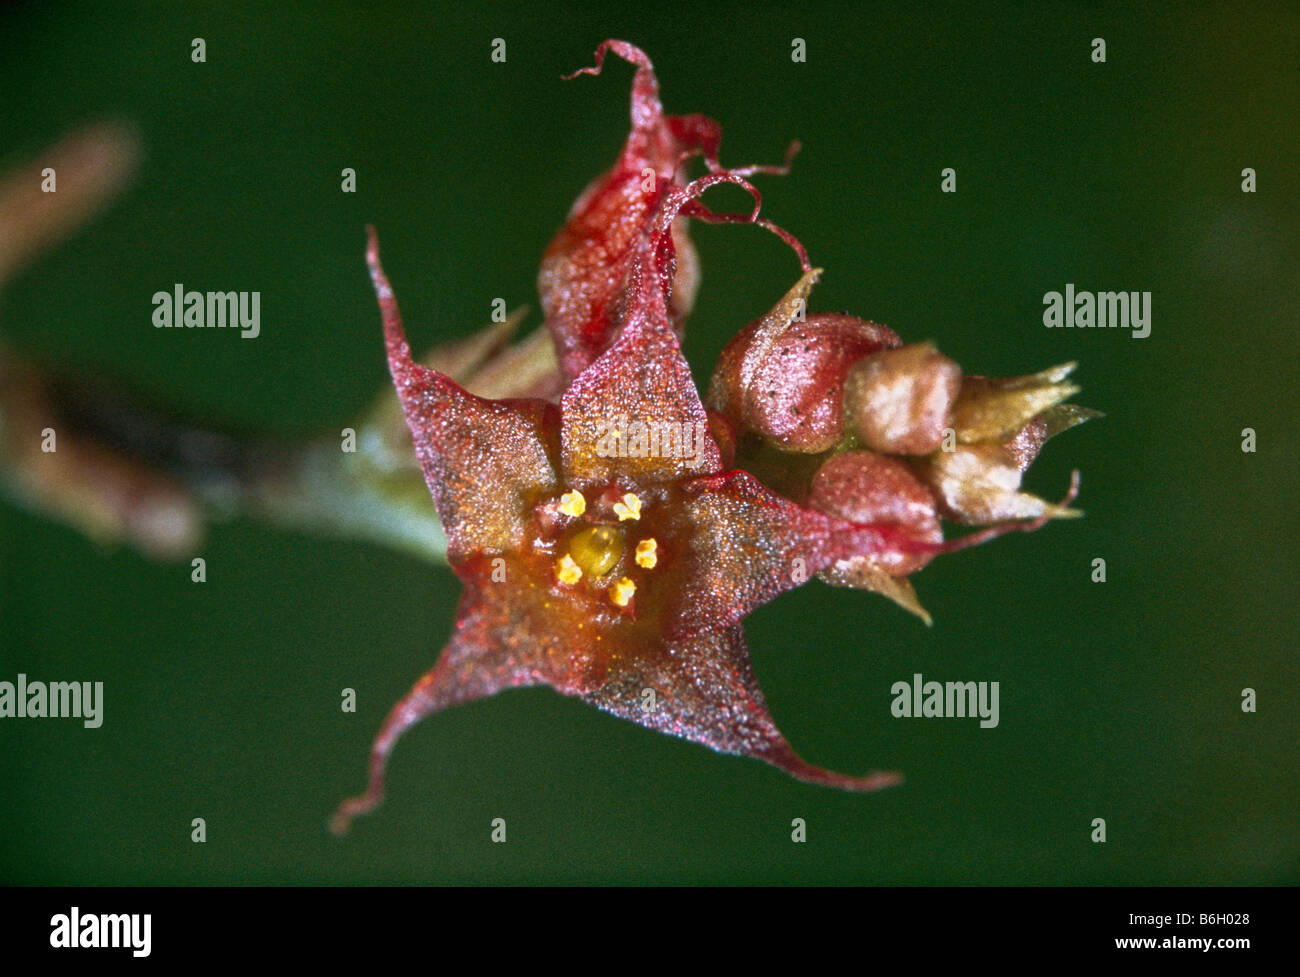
(509, 634)
(861, 573)
(749, 544)
(705, 692)
(643, 376)
(484, 461)
(737, 368)
(995, 409)
(585, 267)
(644, 379)
(1062, 417)
(471, 667)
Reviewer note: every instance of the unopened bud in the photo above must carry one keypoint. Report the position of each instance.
(870, 489)
(783, 374)
(898, 401)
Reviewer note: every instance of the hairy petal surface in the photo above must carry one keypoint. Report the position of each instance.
(586, 265)
(749, 544)
(485, 461)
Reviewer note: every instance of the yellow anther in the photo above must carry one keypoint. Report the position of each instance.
(629, 508)
(621, 591)
(645, 553)
(572, 503)
(566, 571)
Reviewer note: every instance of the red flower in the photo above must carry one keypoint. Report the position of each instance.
(607, 546)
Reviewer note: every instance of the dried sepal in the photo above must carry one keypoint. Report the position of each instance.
(993, 410)
(483, 460)
(979, 485)
(861, 573)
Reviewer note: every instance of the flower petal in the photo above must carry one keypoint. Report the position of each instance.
(485, 461)
(643, 376)
(749, 544)
(705, 692)
(586, 265)
(508, 635)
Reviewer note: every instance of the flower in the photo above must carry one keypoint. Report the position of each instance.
(611, 541)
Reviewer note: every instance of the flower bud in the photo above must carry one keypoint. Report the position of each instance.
(898, 401)
(867, 488)
(783, 374)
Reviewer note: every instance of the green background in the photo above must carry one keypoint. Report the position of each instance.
(1119, 700)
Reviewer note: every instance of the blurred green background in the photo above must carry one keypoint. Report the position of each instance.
(1119, 700)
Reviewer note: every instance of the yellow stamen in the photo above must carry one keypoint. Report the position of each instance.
(566, 571)
(572, 503)
(621, 592)
(645, 553)
(629, 508)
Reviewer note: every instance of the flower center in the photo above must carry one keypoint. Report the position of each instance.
(597, 549)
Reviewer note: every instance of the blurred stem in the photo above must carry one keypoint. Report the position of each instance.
(358, 496)
(123, 470)
(107, 462)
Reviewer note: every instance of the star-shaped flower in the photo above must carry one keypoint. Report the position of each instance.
(607, 545)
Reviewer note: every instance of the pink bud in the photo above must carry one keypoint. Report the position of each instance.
(868, 488)
(783, 374)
